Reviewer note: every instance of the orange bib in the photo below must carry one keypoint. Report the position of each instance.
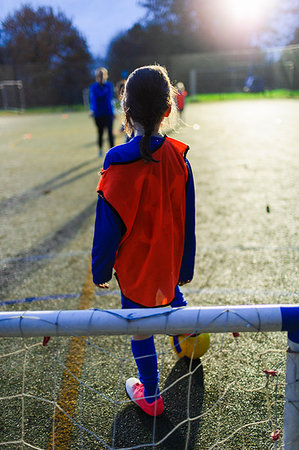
(150, 198)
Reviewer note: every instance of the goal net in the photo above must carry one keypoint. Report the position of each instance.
(12, 96)
(68, 392)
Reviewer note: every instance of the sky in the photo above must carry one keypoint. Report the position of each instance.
(97, 20)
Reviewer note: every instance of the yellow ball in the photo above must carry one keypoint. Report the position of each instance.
(192, 346)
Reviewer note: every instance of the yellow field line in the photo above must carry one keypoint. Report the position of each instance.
(67, 399)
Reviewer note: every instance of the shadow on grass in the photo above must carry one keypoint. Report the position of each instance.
(12, 205)
(88, 145)
(133, 427)
(21, 267)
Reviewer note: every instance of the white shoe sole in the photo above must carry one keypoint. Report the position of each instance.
(129, 384)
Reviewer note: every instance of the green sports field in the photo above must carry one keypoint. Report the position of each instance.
(244, 157)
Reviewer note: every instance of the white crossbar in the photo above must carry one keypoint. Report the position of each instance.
(143, 321)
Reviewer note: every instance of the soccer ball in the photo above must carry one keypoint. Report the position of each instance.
(190, 345)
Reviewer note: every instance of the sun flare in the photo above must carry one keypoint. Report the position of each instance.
(248, 11)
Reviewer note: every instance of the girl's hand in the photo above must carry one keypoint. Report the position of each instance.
(181, 283)
(103, 285)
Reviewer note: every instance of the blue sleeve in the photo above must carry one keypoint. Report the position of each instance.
(107, 236)
(111, 97)
(187, 265)
(91, 99)
(111, 91)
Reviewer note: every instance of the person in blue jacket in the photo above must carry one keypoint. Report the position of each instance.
(145, 220)
(101, 94)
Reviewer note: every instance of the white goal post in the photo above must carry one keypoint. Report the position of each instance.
(12, 95)
(220, 319)
(85, 97)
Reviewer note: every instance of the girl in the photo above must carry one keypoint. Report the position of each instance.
(101, 95)
(181, 95)
(144, 226)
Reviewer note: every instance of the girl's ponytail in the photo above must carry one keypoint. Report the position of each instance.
(145, 146)
(147, 95)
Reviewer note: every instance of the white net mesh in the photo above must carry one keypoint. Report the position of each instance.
(70, 394)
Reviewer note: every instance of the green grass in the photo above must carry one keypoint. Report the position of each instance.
(223, 96)
(212, 97)
(59, 109)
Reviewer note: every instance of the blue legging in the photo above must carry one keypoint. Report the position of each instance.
(103, 122)
(144, 351)
(178, 301)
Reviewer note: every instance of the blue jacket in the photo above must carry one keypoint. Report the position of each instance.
(101, 99)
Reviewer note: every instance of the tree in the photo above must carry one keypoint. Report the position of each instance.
(194, 25)
(169, 27)
(48, 54)
(207, 25)
(174, 27)
(280, 28)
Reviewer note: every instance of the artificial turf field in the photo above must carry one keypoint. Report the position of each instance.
(244, 157)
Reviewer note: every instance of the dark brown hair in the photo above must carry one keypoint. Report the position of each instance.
(147, 95)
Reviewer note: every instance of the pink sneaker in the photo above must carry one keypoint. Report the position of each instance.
(135, 391)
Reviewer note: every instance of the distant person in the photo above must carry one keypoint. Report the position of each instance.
(145, 220)
(254, 84)
(180, 97)
(101, 96)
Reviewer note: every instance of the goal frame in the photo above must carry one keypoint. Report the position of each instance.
(20, 96)
(219, 319)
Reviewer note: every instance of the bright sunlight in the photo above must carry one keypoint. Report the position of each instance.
(248, 12)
